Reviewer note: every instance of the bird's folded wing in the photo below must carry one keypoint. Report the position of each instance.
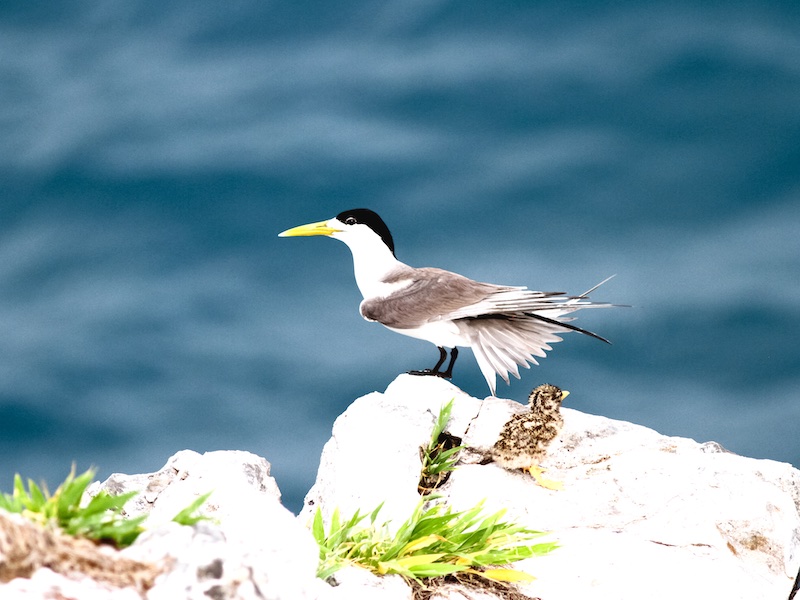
(426, 295)
(522, 300)
(431, 294)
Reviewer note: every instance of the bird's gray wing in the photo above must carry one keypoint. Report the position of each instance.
(511, 300)
(425, 295)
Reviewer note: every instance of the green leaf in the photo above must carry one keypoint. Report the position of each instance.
(441, 421)
(68, 495)
(103, 502)
(318, 527)
(19, 488)
(444, 461)
(436, 569)
(335, 526)
(121, 532)
(419, 544)
(187, 516)
(374, 514)
(506, 575)
(11, 503)
(36, 499)
(418, 560)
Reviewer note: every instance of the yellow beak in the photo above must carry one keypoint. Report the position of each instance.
(564, 394)
(321, 228)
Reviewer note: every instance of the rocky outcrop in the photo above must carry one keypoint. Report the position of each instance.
(253, 547)
(641, 515)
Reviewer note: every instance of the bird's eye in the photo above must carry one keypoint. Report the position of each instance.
(350, 221)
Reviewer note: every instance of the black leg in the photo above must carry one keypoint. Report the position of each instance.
(435, 370)
(448, 374)
(442, 356)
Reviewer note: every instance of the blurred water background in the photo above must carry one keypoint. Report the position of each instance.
(150, 153)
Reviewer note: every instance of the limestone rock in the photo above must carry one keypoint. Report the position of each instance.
(354, 583)
(255, 548)
(234, 478)
(373, 454)
(642, 515)
(45, 584)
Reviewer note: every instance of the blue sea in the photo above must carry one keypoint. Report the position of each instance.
(151, 152)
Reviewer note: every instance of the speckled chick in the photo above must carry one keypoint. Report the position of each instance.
(524, 439)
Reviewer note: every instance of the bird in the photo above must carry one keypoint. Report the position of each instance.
(524, 439)
(505, 326)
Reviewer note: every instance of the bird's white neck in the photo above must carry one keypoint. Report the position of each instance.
(372, 263)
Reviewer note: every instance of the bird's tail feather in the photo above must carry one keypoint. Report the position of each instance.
(568, 326)
(500, 345)
(590, 290)
(513, 331)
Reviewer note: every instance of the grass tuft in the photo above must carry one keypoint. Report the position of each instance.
(433, 542)
(440, 456)
(101, 519)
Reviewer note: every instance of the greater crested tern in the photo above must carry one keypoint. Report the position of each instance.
(504, 325)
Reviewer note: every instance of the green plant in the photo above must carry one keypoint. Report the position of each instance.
(439, 457)
(188, 516)
(100, 519)
(432, 542)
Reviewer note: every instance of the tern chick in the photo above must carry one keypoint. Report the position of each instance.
(523, 441)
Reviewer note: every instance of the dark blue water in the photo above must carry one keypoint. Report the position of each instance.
(150, 154)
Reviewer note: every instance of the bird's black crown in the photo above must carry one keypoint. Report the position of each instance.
(365, 216)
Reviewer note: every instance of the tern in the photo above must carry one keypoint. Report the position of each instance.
(506, 326)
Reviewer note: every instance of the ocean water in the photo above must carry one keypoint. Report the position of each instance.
(151, 153)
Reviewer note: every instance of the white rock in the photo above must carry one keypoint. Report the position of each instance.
(254, 549)
(204, 564)
(231, 477)
(642, 515)
(355, 583)
(47, 585)
(373, 454)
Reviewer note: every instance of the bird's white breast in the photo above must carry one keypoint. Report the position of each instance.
(441, 333)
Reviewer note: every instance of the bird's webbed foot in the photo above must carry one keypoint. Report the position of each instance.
(548, 484)
(448, 373)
